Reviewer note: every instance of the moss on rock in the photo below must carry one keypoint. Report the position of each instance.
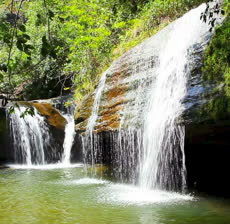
(217, 57)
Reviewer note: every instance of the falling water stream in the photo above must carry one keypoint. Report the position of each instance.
(90, 140)
(163, 139)
(68, 140)
(163, 161)
(31, 139)
(30, 136)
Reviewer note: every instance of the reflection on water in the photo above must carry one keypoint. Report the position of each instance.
(67, 196)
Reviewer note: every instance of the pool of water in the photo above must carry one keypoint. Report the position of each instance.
(51, 195)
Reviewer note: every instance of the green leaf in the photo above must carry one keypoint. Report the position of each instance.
(50, 14)
(22, 28)
(39, 20)
(27, 49)
(44, 51)
(21, 39)
(1, 77)
(3, 67)
(44, 40)
(11, 110)
(6, 39)
(19, 46)
(25, 36)
(53, 54)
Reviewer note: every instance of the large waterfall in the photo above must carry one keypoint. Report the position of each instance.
(148, 148)
(163, 139)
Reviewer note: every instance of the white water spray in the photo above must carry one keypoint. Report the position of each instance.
(163, 162)
(69, 139)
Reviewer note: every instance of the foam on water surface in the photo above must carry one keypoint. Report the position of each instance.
(87, 181)
(45, 167)
(130, 195)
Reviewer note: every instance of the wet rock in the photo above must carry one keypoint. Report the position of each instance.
(83, 112)
(53, 116)
(3, 167)
(64, 104)
(99, 170)
(6, 152)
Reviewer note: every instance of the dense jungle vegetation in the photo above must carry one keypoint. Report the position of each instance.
(52, 47)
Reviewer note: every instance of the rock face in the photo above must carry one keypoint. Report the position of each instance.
(207, 133)
(6, 154)
(128, 81)
(53, 117)
(123, 97)
(206, 116)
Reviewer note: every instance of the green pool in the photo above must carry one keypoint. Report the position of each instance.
(34, 196)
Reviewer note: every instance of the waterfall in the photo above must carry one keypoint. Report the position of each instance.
(90, 140)
(69, 139)
(34, 140)
(30, 136)
(163, 160)
(93, 118)
(148, 147)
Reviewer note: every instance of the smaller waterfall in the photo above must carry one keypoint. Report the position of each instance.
(93, 118)
(30, 136)
(89, 141)
(33, 141)
(69, 139)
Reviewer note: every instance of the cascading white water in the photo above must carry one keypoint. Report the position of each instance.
(69, 138)
(93, 118)
(148, 146)
(163, 139)
(33, 144)
(89, 140)
(30, 136)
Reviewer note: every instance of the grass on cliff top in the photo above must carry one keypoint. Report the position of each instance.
(153, 17)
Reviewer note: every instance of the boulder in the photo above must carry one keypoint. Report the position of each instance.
(53, 116)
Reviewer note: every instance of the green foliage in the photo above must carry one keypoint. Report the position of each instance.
(217, 68)
(217, 109)
(217, 56)
(154, 16)
(29, 110)
(51, 47)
